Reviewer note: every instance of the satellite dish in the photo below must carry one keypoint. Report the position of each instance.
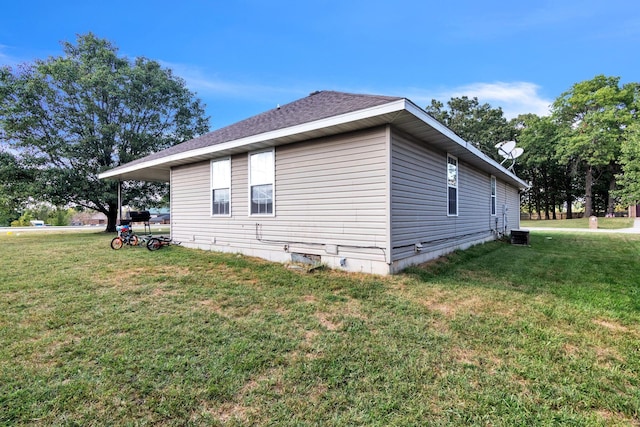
(517, 152)
(509, 151)
(506, 148)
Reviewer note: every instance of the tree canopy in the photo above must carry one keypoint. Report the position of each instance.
(575, 155)
(477, 123)
(629, 179)
(539, 164)
(593, 116)
(15, 187)
(72, 117)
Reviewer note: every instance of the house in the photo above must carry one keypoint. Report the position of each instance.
(89, 218)
(164, 218)
(357, 182)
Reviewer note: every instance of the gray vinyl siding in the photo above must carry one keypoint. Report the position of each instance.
(512, 200)
(367, 197)
(330, 191)
(419, 201)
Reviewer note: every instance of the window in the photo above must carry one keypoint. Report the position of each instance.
(452, 185)
(261, 178)
(493, 196)
(221, 187)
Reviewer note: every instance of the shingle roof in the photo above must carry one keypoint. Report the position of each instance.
(319, 114)
(318, 105)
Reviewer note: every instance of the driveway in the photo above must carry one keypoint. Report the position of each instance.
(57, 229)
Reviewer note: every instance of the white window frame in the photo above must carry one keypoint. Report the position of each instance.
(263, 179)
(449, 186)
(220, 186)
(494, 192)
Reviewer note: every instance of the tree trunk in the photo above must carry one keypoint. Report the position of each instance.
(569, 191)
(536, 196)
(588, 196)
(112, 218)
(545, 183)
(611, 201)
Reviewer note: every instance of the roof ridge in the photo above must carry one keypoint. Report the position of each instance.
(318, 105)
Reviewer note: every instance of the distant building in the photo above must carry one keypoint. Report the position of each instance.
(89, 218)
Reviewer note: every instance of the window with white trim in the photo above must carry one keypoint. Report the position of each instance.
(221, 187)
(452, 185)
(493, 195)
(261, 182)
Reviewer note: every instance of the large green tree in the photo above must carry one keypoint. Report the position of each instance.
(593, 116)
(477, 123)
(629, 179)
(16, 185)
(552, 181)
(72, 117)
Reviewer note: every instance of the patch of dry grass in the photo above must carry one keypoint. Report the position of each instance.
(181, 336)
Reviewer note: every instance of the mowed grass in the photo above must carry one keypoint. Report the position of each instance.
(495, 335)
(604, 223)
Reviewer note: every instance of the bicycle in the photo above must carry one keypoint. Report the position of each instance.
(143, 240)
(156, 243)
(125, 237)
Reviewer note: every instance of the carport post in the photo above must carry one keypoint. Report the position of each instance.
(119, 201)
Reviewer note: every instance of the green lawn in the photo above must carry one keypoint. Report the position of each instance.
(495, 335)
(606, 223)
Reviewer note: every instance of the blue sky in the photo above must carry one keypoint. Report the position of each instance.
(247, 56)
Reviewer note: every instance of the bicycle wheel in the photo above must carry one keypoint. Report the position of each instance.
(133, 240)
(154, 244)
(116, 243)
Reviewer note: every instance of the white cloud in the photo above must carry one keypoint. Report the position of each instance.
(199, 81)
(514, 98)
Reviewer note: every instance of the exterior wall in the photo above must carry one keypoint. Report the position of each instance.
(330, 202)
(419, 205)
(508, 196)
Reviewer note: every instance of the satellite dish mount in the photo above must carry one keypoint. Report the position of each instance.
(509, 151)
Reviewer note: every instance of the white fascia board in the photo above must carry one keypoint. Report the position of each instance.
(422, 115)
(390, 107)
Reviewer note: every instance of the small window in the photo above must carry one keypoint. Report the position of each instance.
(221, 187)
(452, 185)
(493, 196)
(261, 179)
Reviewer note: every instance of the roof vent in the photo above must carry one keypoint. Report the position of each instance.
(315, 93)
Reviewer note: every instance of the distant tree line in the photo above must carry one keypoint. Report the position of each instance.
(586, 153)
(50, 215)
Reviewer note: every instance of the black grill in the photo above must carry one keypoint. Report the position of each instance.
(139, 216)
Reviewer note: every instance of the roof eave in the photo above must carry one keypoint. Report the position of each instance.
(160, 169)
